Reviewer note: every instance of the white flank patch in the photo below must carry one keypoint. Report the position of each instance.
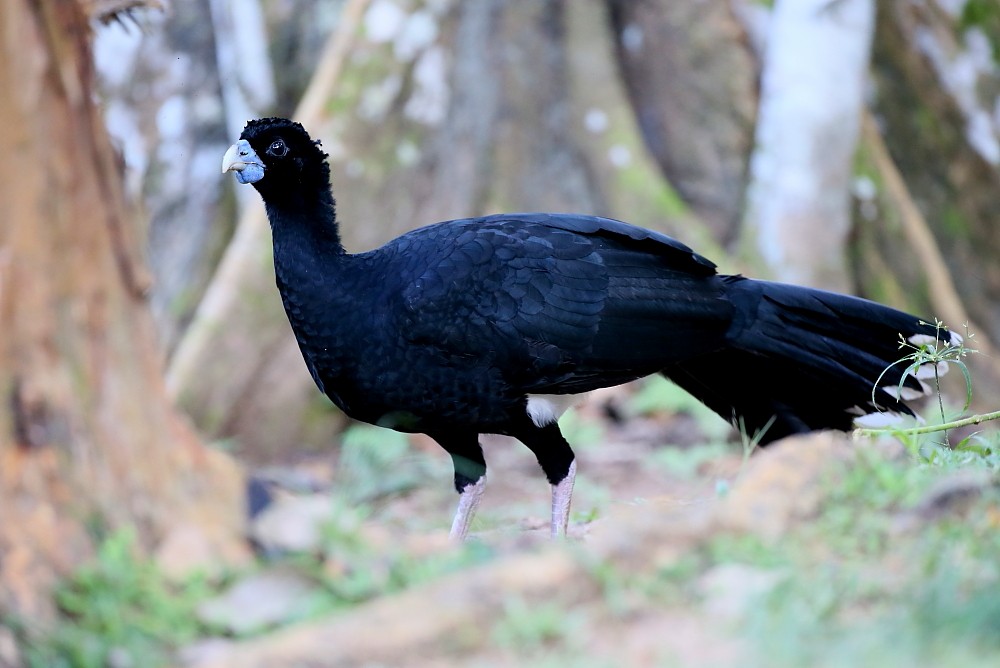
(544, 409)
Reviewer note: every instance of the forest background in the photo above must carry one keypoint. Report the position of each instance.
(147, 371)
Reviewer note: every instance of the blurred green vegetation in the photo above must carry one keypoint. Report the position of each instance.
(117, 610)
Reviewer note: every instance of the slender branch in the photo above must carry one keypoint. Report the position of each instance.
(964, 422)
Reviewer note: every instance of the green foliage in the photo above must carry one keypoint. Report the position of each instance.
(117, 610)
(686, 462)
(842, 614)
(377, 462)
(750, 442)
(931, 353)
(870, 580)
(354, 568)
(858, 590)
(626, 592)
(747, 549)
(121, 610)
(590, 498)
(934, 354)
(977, 450)
(985, 15)
(529, 627)
(978, 12)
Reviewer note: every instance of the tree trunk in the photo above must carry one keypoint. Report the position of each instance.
(691, 77)
(161, 85)
(935, 81)
(801, 171)
(935, 105)
(87, 437)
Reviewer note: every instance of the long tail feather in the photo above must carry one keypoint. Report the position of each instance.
(799, 360)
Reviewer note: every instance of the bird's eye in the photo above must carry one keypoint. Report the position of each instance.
(277, 148)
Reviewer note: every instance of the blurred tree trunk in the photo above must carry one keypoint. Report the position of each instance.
(173, 88)
(936, 84)
(88, 440)
(691, 77)
(442, 110)
(936, 77)
(812, 85)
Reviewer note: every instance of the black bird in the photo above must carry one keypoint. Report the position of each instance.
(491, 325)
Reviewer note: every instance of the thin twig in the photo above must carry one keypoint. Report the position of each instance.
(964, 422)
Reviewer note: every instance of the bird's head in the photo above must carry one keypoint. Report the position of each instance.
(277, 155)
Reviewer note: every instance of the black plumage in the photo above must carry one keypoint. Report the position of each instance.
(456, 329)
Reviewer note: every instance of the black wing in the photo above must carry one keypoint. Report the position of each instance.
(561, 303)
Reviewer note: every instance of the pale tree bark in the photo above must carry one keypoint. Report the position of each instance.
(87, 436)
(244, 68)
(812, 93)
(442, 110)
(175, 83)
(159, 87)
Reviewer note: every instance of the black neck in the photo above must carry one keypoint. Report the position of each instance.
(304, 213)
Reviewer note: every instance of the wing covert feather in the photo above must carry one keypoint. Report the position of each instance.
(553, 305)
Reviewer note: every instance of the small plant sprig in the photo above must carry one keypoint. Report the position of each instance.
(751, 442)
(934, 351)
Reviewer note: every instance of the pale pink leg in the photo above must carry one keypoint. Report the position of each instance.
(468, 501)
(562, 495)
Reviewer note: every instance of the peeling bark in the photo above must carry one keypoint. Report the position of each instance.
(942, 154)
